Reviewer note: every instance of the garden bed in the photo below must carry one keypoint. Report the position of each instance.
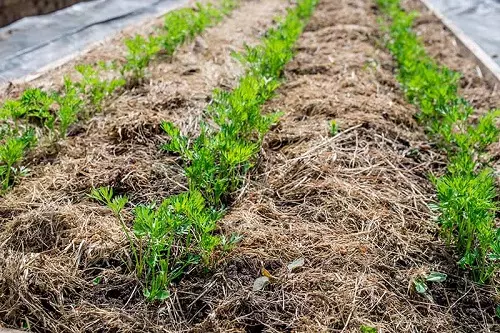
(353, 203)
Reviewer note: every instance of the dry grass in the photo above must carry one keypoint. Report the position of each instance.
(353, 205)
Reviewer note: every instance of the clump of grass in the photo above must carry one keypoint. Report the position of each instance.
(466, 194)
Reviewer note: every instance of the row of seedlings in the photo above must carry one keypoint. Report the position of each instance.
(466, 193)
(169, 238)
(42, 117)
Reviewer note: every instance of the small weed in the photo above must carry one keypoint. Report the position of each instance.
(420, 283)
(97, 280)
(229, 244)
(334, 127)
(367, 329)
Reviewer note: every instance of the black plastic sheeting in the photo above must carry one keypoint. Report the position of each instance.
(32, 43)
(479, 19)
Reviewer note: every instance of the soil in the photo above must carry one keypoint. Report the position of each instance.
(354, 205)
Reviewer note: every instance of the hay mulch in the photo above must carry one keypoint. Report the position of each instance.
(354, 205)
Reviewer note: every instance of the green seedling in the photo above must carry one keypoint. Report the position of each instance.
(175, 235)
(420, 283)
(36, 103)
(93, 87)
(367, 329)
(467, 192)
(70, 105)
(140, 52)
(230, 243)
(11, 153)
(105, 196)
(334, 127)
(97, 280)
(12, 109)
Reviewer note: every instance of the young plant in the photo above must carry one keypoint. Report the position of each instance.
(12, 109)
(334, 127)
(140, 52)
(70, 105)
(93, 87)
(175, 235)
(367, 329)
(105, 196)
(36, 104)
(11, 153)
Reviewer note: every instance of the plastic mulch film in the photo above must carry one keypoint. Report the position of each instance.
(32, 43)
(479, 19)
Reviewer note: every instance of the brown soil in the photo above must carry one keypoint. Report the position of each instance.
(354, 205)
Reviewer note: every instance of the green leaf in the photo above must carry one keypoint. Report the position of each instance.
(367, 329)
(436, 277)
(163, 295)
(420, 286)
